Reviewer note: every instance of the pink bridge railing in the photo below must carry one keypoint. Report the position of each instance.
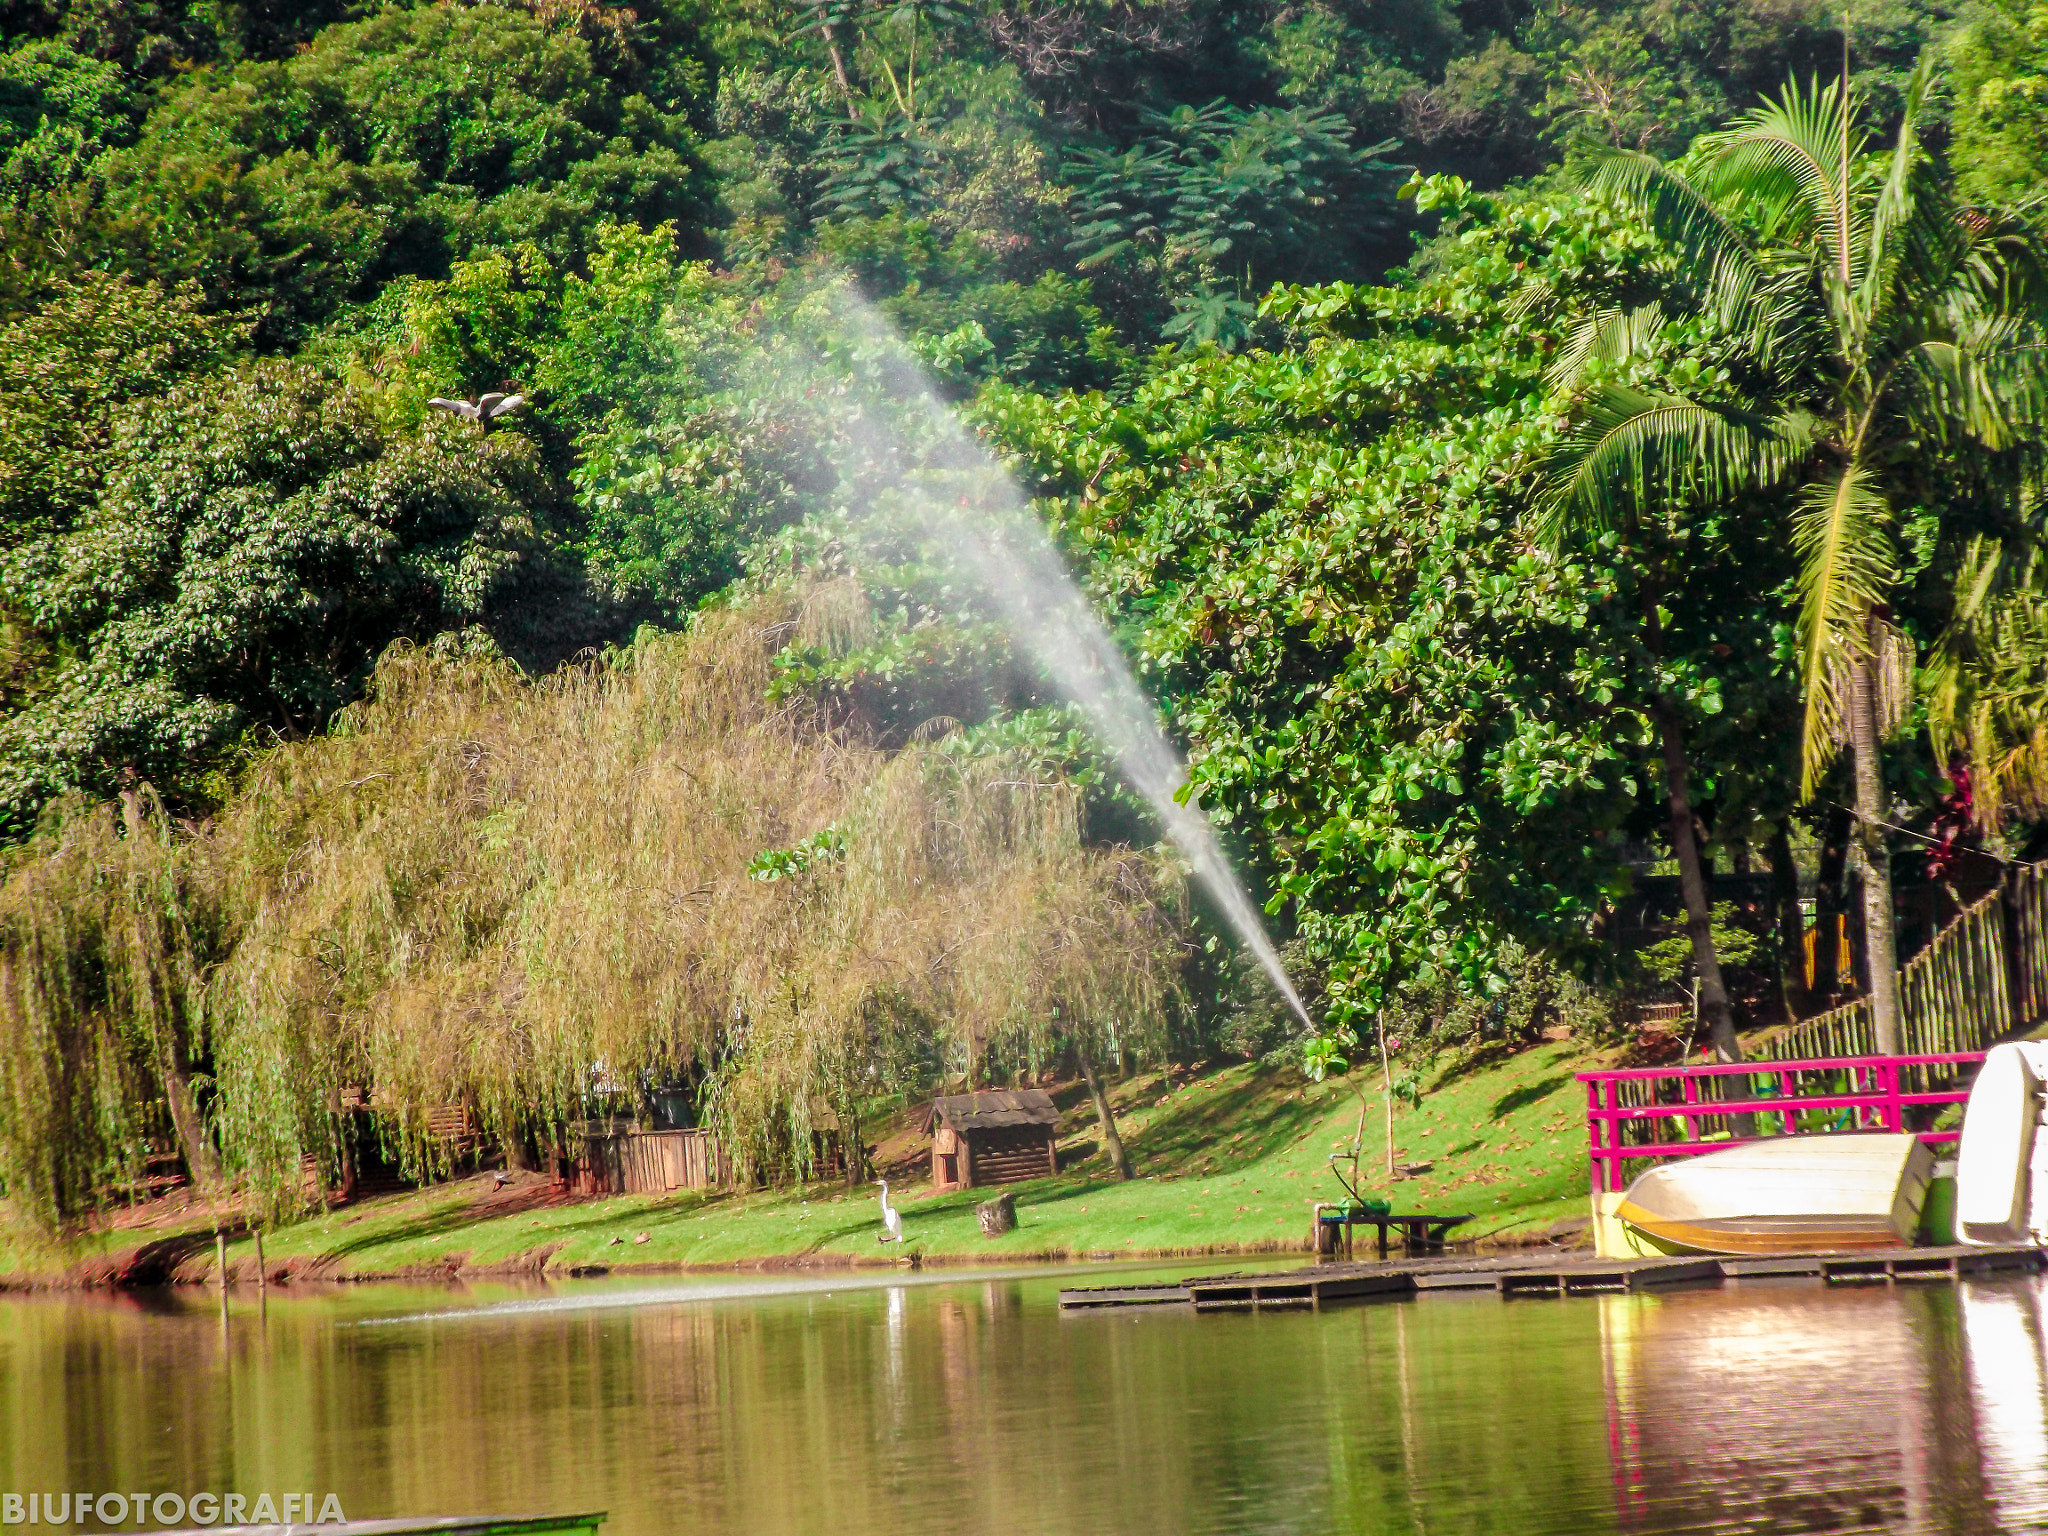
(1869, 1092)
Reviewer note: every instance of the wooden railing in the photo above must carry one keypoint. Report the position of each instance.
(1983, 976)
(1630, 1114)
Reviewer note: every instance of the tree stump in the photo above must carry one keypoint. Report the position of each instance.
(997, 1216)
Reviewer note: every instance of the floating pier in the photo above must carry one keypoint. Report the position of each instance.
(447, 1525)
(1545, 1275)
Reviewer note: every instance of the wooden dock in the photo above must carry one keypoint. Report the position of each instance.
(447, 1525)
(1544, 1275)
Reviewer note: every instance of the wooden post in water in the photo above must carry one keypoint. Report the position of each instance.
(220, 1257)
(260, 1282)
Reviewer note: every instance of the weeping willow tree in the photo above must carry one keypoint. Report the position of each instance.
(965, 909)
(540, 900)
(105, 939)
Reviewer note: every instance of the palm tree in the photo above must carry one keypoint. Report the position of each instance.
(1880, 330)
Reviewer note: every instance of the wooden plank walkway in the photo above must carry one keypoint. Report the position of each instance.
(1543, 1275)
(447, 1525)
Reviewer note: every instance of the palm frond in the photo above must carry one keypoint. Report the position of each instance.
(1986, 680)
(1633, 449)
(1945, 681)
(1793, 149)
(1535, 295)
(1903, 238)
(1987, 382)
(1608, 335)
(1715, 260)
(1842, 532)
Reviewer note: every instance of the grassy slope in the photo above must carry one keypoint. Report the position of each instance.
(1230, 1160)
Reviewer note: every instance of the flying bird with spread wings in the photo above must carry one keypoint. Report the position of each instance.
(485, 409)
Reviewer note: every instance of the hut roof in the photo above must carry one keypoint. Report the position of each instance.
(985, 1111)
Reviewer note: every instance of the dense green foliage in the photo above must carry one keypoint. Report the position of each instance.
(2001, 111)
(1293, 321)
(245, 547)
(379, 149)
(1423, 717)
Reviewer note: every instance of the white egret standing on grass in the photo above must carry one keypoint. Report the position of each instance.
(892, 1218)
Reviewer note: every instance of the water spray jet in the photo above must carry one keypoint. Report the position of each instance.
(968, 505)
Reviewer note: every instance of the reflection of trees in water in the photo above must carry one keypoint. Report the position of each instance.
(1788, 1407)
(973, 1405)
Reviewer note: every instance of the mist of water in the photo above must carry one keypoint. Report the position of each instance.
(916, 454)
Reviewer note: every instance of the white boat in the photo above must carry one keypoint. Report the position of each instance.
(2002, 1165)
(1791, 1194)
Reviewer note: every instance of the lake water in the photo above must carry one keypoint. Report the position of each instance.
(968, 1404)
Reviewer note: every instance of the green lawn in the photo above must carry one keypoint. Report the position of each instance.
(1230, 1159)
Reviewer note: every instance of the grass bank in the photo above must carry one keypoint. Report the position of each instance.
(1230, 1158)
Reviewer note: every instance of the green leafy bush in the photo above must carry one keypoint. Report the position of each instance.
(389, 146)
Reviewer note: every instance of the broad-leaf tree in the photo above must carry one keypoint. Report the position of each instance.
(1428, 734)
(258, 540)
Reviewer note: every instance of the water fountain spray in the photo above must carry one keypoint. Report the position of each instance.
(918, 455)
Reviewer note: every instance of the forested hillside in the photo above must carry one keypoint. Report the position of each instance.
(1520, 447)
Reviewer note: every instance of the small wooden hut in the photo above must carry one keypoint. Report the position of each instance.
(993, 1138)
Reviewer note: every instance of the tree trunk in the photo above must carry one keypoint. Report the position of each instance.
(1119, 1159)
(851, 1148)
(1699, 909)
(839, 73)
(185, 1117)
(1880, 938)
(172, 1062)
(1791, 927)
(831, 36)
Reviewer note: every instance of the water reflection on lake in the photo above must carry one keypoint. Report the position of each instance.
(971, 1404)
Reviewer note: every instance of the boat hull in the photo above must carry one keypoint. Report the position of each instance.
(1807, 1194)
(1810, 1234)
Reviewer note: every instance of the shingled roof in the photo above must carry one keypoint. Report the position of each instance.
(986, 1111)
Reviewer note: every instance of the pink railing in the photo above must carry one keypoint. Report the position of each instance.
(1876, 1098)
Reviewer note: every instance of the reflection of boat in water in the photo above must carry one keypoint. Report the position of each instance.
(2005, 1336)
(1792, 1405)
(1795, 1194)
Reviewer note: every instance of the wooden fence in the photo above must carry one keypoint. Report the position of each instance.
(655, 1162)
(1983, 976)
(626, 1162)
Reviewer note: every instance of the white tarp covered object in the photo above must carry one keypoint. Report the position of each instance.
(2002, 1166)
